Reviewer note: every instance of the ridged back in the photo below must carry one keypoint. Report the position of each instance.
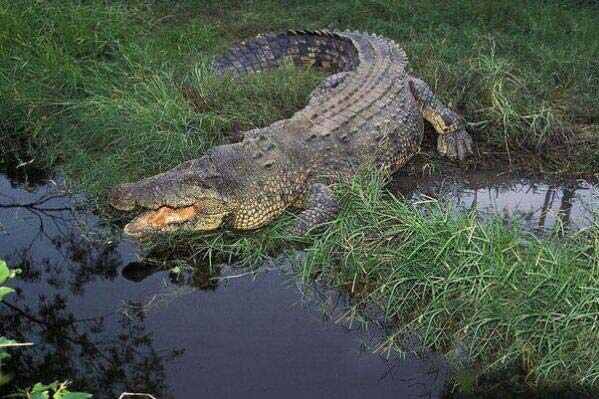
(368, 114)
(323, 50)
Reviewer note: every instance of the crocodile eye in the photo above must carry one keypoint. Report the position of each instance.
(213, 182)
(204, 185)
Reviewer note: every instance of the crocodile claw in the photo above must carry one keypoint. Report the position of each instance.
(455, 145)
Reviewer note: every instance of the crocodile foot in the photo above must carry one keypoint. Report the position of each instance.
(321, 207)
(455, 145)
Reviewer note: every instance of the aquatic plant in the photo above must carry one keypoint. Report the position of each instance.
(56, 390)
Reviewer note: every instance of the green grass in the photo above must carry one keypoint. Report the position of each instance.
(113, 91)
(97, 87)
(512, 300)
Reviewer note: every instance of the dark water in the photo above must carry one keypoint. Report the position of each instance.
(97, 318)
(94, 319)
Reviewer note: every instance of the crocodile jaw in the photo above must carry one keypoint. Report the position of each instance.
(167, 219)
(160, 220)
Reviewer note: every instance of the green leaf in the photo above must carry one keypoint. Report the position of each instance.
(73, 395)
(39, 391)
(4, 271)
(4, 291)
(40, 388)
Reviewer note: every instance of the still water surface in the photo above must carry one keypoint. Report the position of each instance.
(538, 204)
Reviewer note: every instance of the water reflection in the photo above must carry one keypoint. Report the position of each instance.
(111, 322)
(375, 333)
(203, 278)
(103, 351)
(541, 206)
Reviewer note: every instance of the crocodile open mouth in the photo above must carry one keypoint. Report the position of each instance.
(160, 219)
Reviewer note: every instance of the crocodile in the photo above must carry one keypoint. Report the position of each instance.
(370, 110)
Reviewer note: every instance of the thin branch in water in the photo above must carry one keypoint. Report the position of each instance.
(252, 273)
(34, 204)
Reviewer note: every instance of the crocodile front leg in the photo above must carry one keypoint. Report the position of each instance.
(320, 207)
(453, 141)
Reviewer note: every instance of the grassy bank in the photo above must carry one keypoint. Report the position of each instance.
(101, 89)
(111, 93)
(513, 301)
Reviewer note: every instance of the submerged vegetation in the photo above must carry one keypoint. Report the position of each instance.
(111, 92)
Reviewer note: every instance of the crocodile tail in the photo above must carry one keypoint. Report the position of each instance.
(324, 50)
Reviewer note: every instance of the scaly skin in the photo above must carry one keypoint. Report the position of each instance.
(369, 110)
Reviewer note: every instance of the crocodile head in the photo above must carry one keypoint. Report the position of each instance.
(190, 196)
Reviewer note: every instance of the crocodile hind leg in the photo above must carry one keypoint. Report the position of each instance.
(320, 207)
(453, 141)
